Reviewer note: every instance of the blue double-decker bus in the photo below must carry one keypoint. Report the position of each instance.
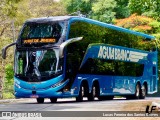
(74, 56)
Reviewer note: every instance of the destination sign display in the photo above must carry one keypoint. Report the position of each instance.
(42, 40)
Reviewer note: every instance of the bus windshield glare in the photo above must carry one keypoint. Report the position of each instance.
(40, 34)
(37, 65)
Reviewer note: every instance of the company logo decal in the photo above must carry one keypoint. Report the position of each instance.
(106, 52)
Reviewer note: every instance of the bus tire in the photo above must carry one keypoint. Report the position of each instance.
(130, 97)
(81, 94)
(93, 93)
(53, 100)
(143, 92)
(40, 100)
(137, 91)
(106, 97)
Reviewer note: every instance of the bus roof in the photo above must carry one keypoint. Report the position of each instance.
(49, 19)
(91, 21)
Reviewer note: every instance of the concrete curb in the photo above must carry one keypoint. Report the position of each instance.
(11, 100)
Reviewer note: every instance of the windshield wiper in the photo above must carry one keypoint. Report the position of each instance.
(27, 62)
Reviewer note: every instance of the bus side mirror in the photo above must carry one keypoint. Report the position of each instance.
(67, 42)
(5, 49)
(4, 53)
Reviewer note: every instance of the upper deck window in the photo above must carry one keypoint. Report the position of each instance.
(41, 33)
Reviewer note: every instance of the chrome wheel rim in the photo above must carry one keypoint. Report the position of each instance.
(137, 91)
(143, 91)
(82, 91)
(94, 91)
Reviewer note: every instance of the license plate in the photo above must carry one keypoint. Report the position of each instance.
(34, 96)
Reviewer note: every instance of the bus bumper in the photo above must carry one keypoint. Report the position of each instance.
(47, 93)
(20, 93)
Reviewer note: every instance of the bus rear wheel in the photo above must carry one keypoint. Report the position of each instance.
(40, 100)
(137, 91)
(93, 93)
(81, 94)
(53, 100)
(143, 92)
(106, 97)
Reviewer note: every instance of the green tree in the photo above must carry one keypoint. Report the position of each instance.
(8, 83)
(146, 7)
(143, 24)
(38, 8)
(85, 6)
(9, 73)
(121, 9)
(8, 9)
(103, 10)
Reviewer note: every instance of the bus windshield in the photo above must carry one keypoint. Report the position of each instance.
(41, 33)
(37, 65)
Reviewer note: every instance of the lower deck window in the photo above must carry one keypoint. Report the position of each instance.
(111, 67)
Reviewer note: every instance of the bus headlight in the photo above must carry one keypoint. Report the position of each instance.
(57, 84)
(17, 85)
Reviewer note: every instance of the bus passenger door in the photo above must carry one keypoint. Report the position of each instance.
(154, 79)
(154, 76)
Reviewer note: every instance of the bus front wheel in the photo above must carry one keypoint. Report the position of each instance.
(53, 100)
(106, 98)
(137, 91)
(40, 100)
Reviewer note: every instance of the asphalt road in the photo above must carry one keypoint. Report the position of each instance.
(71, 105)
